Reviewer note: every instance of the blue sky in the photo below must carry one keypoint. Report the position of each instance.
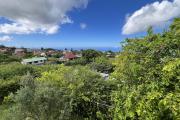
(94, 23)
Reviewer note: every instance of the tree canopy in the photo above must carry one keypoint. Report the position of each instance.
(148, 71)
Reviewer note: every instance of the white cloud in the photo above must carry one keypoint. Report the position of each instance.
(5, 38)
(83, 26)
(155, 14)
(37, 16)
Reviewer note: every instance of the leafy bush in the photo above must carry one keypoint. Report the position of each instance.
(148, 72)
(102, 64)
(36, 100)
(10, 75)
(64, 93)
(5, 58)
(90, 54)
(79, 61)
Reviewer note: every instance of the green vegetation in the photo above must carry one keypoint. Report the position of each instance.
(90, 54)
(144, 84)
(11, 74)
(148, 71)
(79, 61)
(5, 58)
(102, 64)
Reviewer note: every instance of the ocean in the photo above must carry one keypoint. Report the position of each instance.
(103, 49)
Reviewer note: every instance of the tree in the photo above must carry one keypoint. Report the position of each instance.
(176, 26)
(55, 92)
(10, 75)
(102, 64)
(39, 101)
(148, 76)
(5, 58)
(89, 94)
(90, 54)
(2, 46)
(79, 61)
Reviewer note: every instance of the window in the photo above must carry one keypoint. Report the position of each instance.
(35, 61)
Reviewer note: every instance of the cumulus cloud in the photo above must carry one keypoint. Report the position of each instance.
(37, 16)
(155, 14)
(5, 38)
(83, 26)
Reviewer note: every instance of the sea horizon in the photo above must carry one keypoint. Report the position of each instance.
(103, 49)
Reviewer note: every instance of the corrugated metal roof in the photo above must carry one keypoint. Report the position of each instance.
(34, 59)
(69, 55)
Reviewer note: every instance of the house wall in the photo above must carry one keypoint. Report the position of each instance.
(34, 62)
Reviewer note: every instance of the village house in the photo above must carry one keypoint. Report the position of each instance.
(36, 52)
(66, 51)
(68, 56)
(51, 52)
(43, 54)
(78, 56)
(20, 52)
(34, 61)
(4, 49)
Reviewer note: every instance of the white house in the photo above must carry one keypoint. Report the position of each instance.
(34, 61)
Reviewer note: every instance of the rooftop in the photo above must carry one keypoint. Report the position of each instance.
(69, 55)
(34, 59)
(19, 49)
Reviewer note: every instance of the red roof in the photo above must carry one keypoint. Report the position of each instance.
(69, 55)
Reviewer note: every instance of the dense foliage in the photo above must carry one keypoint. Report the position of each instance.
(62, 93)
(90, 54)
(5, 58)
(102, 64)
(11, 74)
(148, 71)
(79, 61)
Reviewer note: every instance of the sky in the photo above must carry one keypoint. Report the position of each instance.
(81, 23)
